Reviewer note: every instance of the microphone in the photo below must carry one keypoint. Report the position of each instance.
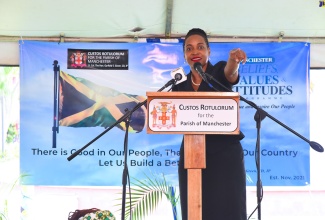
(198, 67)
(179, 75)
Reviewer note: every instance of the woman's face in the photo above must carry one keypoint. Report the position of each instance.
(196, 50)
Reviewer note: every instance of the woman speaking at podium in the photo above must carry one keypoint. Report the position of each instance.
(224, 179)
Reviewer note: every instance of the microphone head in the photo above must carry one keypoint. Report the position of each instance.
(179, 75)
(316, 146)
(198, 67)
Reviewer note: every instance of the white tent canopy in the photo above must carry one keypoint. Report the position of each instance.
(162, 18)
(123, 20)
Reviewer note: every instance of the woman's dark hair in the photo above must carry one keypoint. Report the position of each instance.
(80, 213)
(196, 31)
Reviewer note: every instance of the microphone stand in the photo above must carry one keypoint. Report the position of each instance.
(259, 116)
(126, 118)
(125, 170)
(259, 189)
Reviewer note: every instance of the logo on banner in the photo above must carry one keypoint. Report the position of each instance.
(164, 115)
(78, 59)
(322, 4)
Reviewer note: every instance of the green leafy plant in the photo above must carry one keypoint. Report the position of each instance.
(145, 196)
(5, 190)
(12, 133)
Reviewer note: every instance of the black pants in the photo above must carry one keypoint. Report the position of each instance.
(223, 182)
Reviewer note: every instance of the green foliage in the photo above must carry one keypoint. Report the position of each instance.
(5, 190)
(12, 133)
(6, 74)
(145, 195)
(9, 94)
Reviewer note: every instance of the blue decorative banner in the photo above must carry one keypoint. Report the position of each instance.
(91, 98)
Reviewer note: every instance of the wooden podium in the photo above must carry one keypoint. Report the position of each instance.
(193, 114)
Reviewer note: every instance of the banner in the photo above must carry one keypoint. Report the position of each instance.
(100, 82)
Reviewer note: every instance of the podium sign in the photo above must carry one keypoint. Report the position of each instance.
(193, 114)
